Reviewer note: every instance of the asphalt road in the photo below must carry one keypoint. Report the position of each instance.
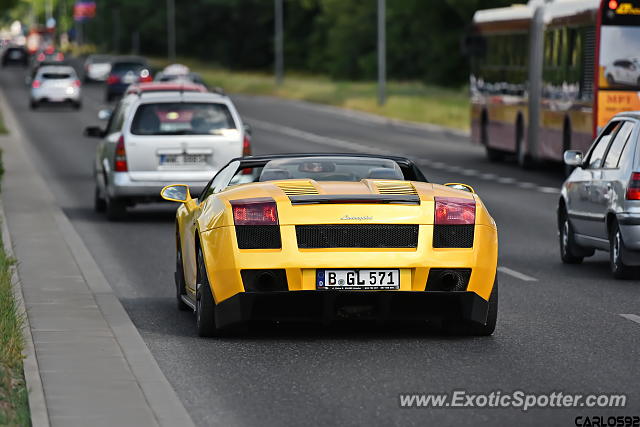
(559, 326)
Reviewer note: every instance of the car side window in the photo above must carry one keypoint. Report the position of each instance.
(600, 147)
(220, 181)
(617, 146)
(116, 119)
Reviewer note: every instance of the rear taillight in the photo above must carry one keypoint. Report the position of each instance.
(41, 57)
(260, 211)
(59, 56)
(36, 84)
(246, 146)
(112, 79)
(77, 83)
(145, 76)
(120, 164)
(633, 189)
(454, 211)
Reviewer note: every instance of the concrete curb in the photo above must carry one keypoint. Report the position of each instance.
(37, 402)
(163, 402)
(363, 116)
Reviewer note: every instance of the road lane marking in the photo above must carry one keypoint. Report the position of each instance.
(516, 274)
(549, 190)
(632, 317)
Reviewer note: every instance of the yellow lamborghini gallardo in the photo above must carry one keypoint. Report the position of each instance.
(331, 237)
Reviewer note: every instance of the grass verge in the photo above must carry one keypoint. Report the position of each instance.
(3, 129)
(14, 405)
(412, 101)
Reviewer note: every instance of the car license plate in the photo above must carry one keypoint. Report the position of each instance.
(353, 279)
(182, 159)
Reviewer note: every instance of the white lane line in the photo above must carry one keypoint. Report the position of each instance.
(489, 176)
(470, 172)
(506, 180)
(632, 317)
(516, 274)
(549, 190)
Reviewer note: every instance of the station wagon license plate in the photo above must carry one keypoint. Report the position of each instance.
(182, 159)
(353, 279)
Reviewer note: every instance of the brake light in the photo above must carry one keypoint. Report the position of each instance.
(454, 211)
(260, 211)
(59, 56)
(246, 146)
(613, 4)
(120, 164)
(77, 83)
(633, 189)
(112, 79)
(145, 76)
(41, 57)
(36, 84)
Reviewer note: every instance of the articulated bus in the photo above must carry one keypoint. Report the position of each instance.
(547, 75)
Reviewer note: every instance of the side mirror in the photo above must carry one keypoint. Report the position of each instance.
(248, 129)
(176, 193)
(573, 158)
(93, 132)
(459, 186)
(105, 114)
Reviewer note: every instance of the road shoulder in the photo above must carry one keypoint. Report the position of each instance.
(94, 367)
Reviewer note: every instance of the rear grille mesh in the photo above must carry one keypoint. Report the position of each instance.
(453, 236)
(258, 236)
(357, 236)
(297, 188)
(395, 187)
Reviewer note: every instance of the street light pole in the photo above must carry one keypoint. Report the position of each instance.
(279, 42)
(382, 53)
(171, 29)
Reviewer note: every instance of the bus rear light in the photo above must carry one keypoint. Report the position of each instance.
(633, 189)
(613, 4)
(259, 211)
(454, 211)
(120, 160)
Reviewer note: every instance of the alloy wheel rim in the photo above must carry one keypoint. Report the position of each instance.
(616, 249)
(565, 236)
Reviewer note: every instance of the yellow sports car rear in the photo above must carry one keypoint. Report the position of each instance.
(334, 237)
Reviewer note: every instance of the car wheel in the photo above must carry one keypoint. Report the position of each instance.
(116, 209)
(99, 203)
(616, 247)
(179, 278)
(33, 105)
(109, 97)
(610, 80)
(205, 306)
(567, 243)
(77, 105)
(469, 328)
(494, 155)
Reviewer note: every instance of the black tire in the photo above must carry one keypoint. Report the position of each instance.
(205, 306)
(619, 269)
(77, 105)
(469, 328)
(99, 203)
(109, 98)
(116, 209)
(494, 155)
(34, 105)
(179, 279)
(568, 248)
(610, 80)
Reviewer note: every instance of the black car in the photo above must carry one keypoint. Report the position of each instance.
(124, 72)
(15, 55)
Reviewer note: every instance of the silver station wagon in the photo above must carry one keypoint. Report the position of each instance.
(599, 208)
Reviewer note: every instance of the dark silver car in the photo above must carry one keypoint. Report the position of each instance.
(600, 203)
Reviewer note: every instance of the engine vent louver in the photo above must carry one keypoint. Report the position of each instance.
(297, 188)
(395, 187)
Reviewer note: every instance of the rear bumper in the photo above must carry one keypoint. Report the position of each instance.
(122, 185)
(330, 306)
(629, 224)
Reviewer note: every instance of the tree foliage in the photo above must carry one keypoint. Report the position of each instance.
(334, 37)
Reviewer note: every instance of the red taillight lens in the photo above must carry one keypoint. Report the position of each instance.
(613, 4)
(59, 56)
(120, 164)
(111, 80)
(454, 211)
(77, 83)
(41, 57)
(246, 146)
(146, 79)
(633, 189)
(36, 84)
(261, 211)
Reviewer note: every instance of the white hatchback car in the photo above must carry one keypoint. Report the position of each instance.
(158, 138)
(56, 84)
